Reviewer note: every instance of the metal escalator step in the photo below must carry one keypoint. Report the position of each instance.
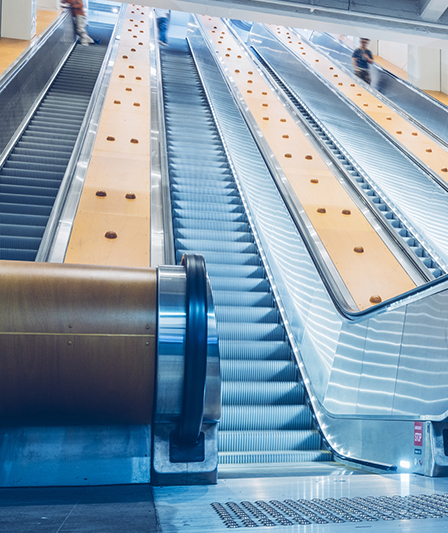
(21, 230)
(210, 225)
(8, 254)
(203, 207)
(269, 440)
(256, 393)
(254, 351)
(265, 417)
(242, 314)
(206, 198)
(274, 457)
(204, 216)
(215, 235)
(19, 190)
(249, 331)
(233, 370)
(23, 219)
(239, 284)
(246, 299)
(17, 242)
(200, 246)
(205, 188)
(24, 164)
(231, 271)
(26, 209)
(22, 173)
(223, 257)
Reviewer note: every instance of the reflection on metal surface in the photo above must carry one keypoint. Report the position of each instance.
(63, 214)
(367, 379)
(162, 242)
(418, 106)
(22, 86)
(425, 204)
(172, 322)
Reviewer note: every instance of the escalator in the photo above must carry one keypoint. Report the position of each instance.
(264, 416)
(32, 173)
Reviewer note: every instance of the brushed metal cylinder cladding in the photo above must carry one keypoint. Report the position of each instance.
(77, 344)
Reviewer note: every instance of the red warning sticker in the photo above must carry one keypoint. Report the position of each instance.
(418, 433)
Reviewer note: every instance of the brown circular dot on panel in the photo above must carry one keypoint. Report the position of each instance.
(141, 31)
(314, 180)
(249, 81)
(346, 212)
(110, 138)
(308, 157)
(239, 57)
(265, 118)
(300, 42)
(444, 169)
(285, 136)
(249, 91)
(129, 29)
(142, 22)
(129, 89)
(125, 57)
(388, 118)
(399, 132)
(304, 53)
(331, 68)
(379, 106)
(213, 31)
(135, 25)
(121, 76)
(250, 73)
(229, 49)
(131, 20)
(227, 55)
(428, 150)
(101, 194)
(376, 299)
(335, 76)
(288, 156)
(414, 133)
(133, 50)
(138, 78)
(352, 85)
(358, 94)
(136, 104)
(110, 235)
(117, 102)
(283, 120)
(219, 42)
(321, 210)
(131, 66)
(301, 48)
(316, 60)
(140, 44)
(130, 196)
(340, 83)
(358, 249)
(264, 93)
(134, 36)
(134, 141)
(265, 105)
(132, 11)
(215, 27)
(365, 104)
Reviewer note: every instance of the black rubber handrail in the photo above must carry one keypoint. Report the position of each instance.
(195, 366)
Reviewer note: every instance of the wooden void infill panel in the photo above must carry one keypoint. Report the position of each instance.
(366, 265)
(112, 222)
(412, 138)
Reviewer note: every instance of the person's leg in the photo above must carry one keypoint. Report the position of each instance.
(163, 29)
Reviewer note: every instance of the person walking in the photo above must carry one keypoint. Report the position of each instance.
(362, 59)
(77, 7)
(163, 20)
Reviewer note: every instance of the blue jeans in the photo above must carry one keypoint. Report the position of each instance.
(162, 24)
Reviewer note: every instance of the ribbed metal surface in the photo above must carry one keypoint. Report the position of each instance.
(32, 174)
(264, 419)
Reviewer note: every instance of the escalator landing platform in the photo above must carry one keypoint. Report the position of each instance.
(338, 502)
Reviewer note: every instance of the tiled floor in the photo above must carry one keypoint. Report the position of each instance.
(123, 508)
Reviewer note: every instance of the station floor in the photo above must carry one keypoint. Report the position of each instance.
(341, 502)
(10, 49)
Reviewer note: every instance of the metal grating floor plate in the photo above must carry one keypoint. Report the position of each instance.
(338, 503)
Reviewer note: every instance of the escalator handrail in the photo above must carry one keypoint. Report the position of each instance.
(195, 365)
